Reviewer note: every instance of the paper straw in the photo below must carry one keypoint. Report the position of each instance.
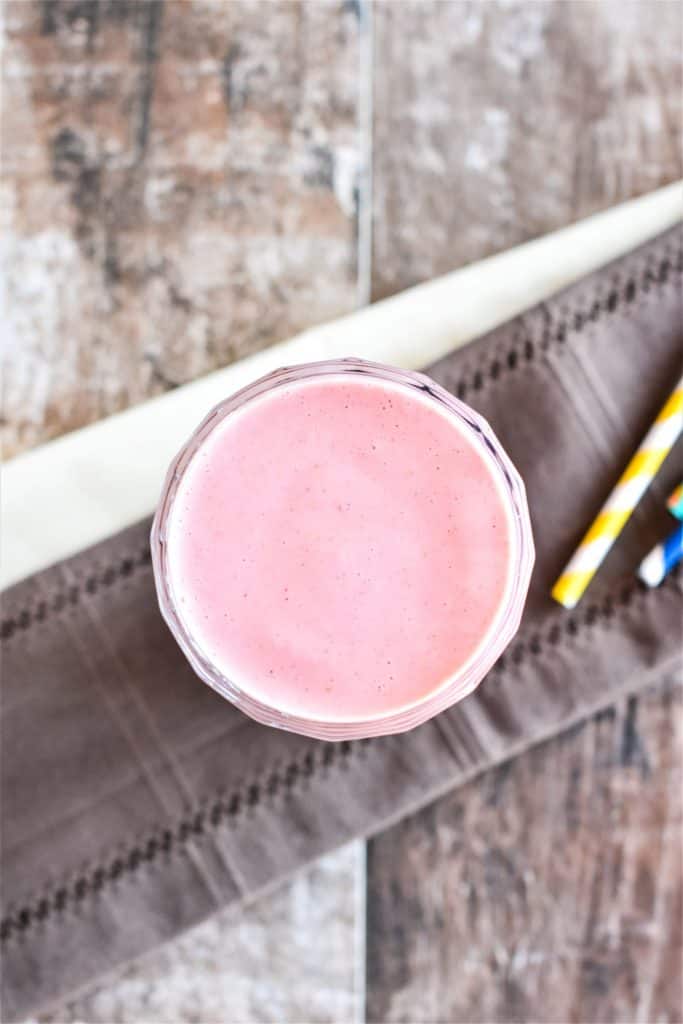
(662, 559)
(633, 483)
(675, 502)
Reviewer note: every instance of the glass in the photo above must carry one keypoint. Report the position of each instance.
(467, 677)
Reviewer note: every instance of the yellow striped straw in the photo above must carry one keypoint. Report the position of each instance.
(633, 483)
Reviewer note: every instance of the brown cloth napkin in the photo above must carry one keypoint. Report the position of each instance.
(135, 801)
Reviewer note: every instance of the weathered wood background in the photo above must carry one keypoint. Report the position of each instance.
(546, 890)
(187, 181)
(496, 122)
(551, 890)
(180, 190)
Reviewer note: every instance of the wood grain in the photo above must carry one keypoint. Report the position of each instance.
(547, 890)
(180, 189)
(497, 122)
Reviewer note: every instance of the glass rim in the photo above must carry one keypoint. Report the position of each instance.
(495, 639)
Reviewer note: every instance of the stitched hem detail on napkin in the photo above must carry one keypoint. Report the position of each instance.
(219, 809)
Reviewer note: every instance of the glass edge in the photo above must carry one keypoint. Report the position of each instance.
(450, 693)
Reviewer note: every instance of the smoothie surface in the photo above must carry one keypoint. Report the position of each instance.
(339, 547)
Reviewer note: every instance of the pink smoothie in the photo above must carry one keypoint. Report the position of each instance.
(339, 547)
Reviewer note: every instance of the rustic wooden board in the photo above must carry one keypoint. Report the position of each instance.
(547, 890)
(181, 186)
(180, 189)
(497, 122)
(494, 123)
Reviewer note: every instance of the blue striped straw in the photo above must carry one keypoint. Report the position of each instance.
(661, 560)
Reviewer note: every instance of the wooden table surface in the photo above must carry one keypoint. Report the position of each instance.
(187, 181)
